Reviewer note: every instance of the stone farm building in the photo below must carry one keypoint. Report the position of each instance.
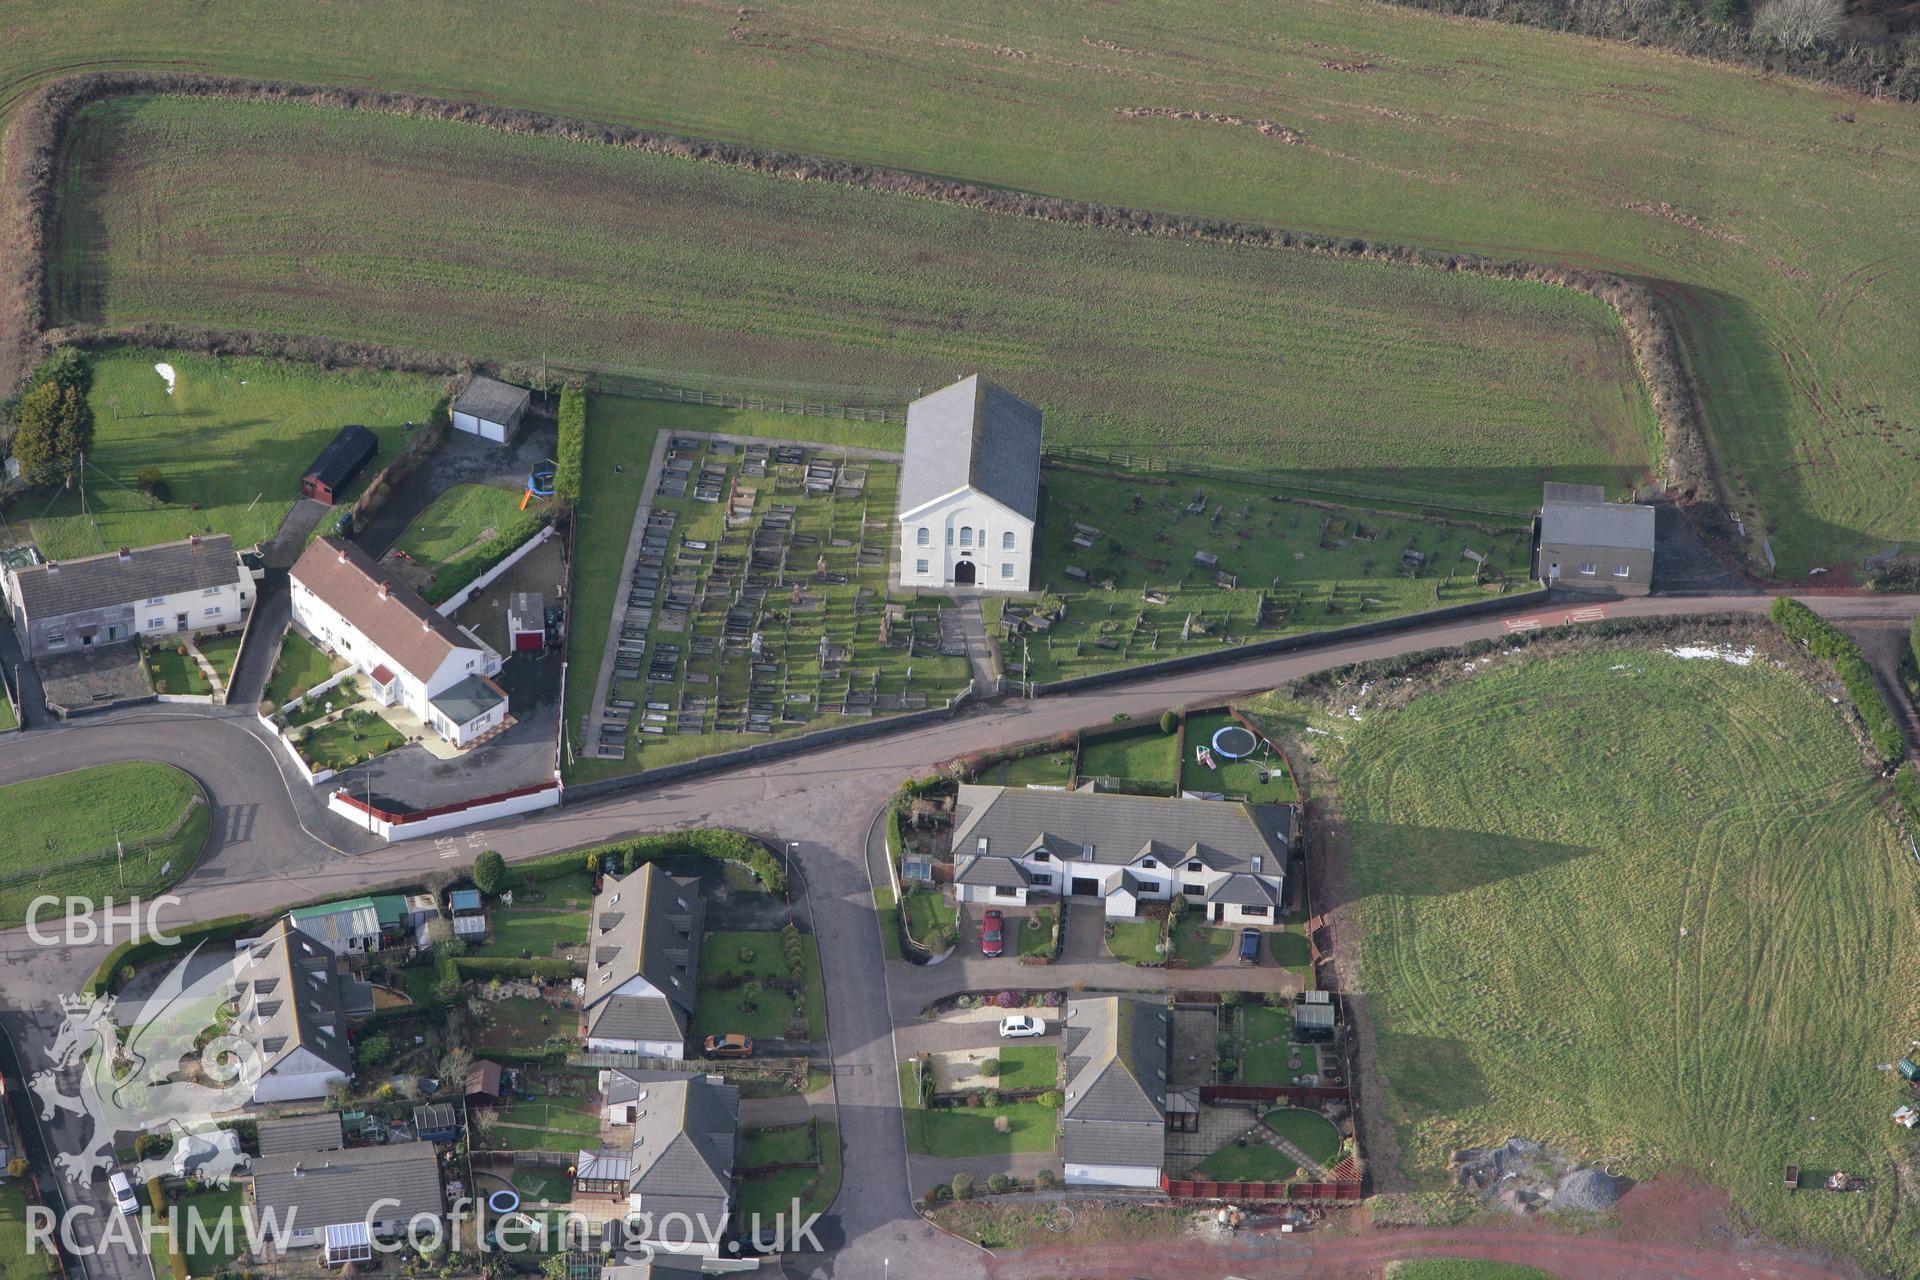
(1113, 1116)
(1582, 541)
(412, 657)
(173, 588)
(643, 966)
(491, 409)
(969, 489)
(1228, 858)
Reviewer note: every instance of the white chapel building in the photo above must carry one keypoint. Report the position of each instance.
(970, 489)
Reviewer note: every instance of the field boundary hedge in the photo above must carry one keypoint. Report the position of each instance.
(1828, 643)
(33, 183)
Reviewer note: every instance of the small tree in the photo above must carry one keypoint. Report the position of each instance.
(54, 427)
(454, 1063)
(490, 872)
(1799, 24)
(963, 1186)
(374, 1050)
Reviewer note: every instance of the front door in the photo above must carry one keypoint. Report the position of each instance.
(179, 622)
(963, 574)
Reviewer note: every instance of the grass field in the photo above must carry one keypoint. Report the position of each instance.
(1456, 134)
(72, 815)
(1493, 384)
(1658, 918)
(233, 438)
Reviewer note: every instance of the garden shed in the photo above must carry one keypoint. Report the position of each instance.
(338, 464)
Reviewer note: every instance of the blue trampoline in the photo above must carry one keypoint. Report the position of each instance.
(540, 483)
(1234, 742)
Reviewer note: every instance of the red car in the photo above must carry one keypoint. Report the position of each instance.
(993, 940)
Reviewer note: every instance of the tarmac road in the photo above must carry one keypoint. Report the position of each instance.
(274, 846)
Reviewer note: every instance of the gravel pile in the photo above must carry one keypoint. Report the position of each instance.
(1588, 1190)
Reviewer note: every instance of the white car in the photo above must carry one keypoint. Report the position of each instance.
(123, 1194)
(1018, 1026)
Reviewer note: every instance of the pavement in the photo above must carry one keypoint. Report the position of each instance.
(271, 849)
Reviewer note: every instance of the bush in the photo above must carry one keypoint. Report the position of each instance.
(490, 872)
(1169, 721)
(374, 1050)
(1047, 1178)
(1003, 1124)
(990, 1067)
(1825, 641)
(1000, 1184)
(154, 484)
(570, 461)
(940, 1192)
(963, 1186)
(1051, 1098)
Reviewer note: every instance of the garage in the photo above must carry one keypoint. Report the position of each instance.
(491, 409)
(1086, 887)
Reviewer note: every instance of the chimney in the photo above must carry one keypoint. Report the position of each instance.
(426, 624)
(298, 1172)
(343, 555)
(386, 590)
(126, 554)
(53, 567)
(193, 539)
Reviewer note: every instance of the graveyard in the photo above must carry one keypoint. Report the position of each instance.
(1134, 567)
(754, 603)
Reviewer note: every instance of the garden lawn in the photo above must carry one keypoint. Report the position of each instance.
(1029, 1066)
(725, 953)
(1136, 941)
(1036, 932)
(1290, 948)
(1311, 1132)
(354, 738)
(968, 1131)
(1673, 920)
(724, 1009)
(1141, 755)
(17, 1262)
(174, 672)
(1255, 1162)
(221, 652)
(537, 1185)
(1039, 768)
(514, 1027)
(1234, 778)
(299, 667)
(786, 1144)
(234, 438)
(772, 1195)
(928, 911)
(82, 813)
(560, 919)
(556, 1114)
(460, 519)
(886, 913)
(213, 1207)
(1266, 1044)
(7, 719)
(1197, 943)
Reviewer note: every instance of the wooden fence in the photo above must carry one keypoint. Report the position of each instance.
(1312, 1192)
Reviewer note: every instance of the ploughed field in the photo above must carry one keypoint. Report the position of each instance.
(1371, 377)
(1647, 909)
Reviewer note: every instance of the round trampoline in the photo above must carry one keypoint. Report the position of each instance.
(503, 1201)
(540, 483)
(1234, 742)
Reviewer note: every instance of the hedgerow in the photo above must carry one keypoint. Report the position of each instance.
(1826, 641)
(570, 463)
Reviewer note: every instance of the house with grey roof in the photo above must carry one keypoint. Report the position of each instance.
(291, 1003)
(1582, 541)
(680, 1157)
(170, 589)
(643, 964)
(1113, 1115)
(341, 1199)
(969, 488)
(1227, 858)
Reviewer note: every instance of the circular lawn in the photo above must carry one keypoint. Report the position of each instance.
(1311, 1132)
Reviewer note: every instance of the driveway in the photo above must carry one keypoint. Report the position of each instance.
(463, 459)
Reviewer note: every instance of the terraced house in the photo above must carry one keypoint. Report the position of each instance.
(1227, 858)
(643, 969)
(291, 1003)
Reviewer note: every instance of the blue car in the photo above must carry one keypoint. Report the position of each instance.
(1249, 946)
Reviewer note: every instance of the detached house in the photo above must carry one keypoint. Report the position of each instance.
(413, 657)
(1113, 1118)
(969, 488)
(291, 1004)
(174, 588)
(681, 1158)
(1227, 858)
(340, 1199)
(1582, 541)
(643, 965)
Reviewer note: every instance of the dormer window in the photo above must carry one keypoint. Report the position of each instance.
(1086, 853)
(1196, 865)
(1149, 863)
(1041, 855)
(1256, 864)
